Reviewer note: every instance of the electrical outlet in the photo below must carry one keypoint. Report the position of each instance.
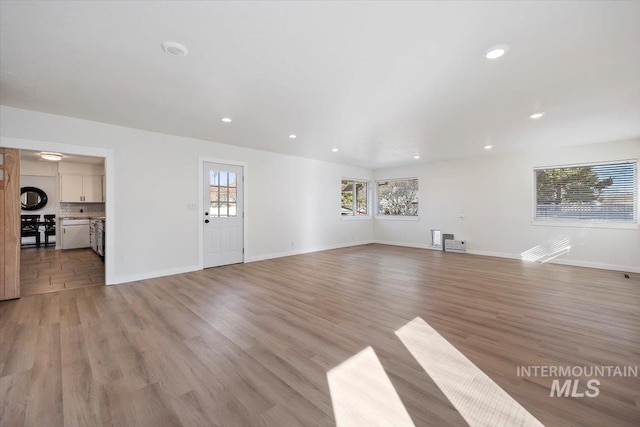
(192, 206)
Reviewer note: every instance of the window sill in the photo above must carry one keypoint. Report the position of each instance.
(587, 224)
(398, 218)
(354, 217)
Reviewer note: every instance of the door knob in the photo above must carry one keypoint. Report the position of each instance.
(206, 221)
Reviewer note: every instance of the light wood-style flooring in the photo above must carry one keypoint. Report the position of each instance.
(48, 270)
(251, 344)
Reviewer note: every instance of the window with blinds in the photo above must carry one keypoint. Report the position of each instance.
(605, 192)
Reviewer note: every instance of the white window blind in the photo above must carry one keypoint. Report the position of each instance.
(605, 192)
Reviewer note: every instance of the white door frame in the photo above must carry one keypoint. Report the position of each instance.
(245, 193)
(109, 171)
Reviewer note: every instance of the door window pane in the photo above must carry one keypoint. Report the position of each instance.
(233, 193)
(224, 194)
(213, 209)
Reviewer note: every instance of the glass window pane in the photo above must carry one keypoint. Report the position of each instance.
(213, 177)
(232, 179)
(224, 210)
(224, 194)
(232, 209)
(361, 198)
(214, 194)
(347, 198)
(233, 193)
(398, 197)
(223, 179)
(213, 210)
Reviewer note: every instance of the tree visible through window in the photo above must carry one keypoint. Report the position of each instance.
(605, 192)
(354, 198)
(398, 197)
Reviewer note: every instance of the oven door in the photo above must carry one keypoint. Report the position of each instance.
(100, 238)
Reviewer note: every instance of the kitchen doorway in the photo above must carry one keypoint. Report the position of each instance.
(108, 157)
(62, 235)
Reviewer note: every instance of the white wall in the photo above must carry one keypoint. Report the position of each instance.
(80, 168)
(293, 206)
(38, 168)
(46, 184)
(494, 194)
(41, 175)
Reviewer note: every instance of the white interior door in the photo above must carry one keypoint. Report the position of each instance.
(223, 214)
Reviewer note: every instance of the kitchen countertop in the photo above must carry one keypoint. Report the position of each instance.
(83, 217)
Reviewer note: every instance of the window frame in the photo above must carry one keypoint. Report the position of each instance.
(591, 223)
(353, 217)
(377, 215)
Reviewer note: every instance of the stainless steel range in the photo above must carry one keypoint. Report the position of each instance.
(100, 231)
(97, 239)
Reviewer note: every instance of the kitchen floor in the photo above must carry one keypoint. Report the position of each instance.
(45, 270)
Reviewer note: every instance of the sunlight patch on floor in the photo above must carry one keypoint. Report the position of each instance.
(548, 250)
(479, 400)
(363, 395)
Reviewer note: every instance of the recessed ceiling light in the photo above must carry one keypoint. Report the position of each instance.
(416, 157)
(174, 49)
(335, 150)
(54, 157)
(226, 119)
(292, 136)
(536, 115)
(496, 52)
(488, 147)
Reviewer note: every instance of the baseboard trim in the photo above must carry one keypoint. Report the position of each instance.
(493, 254)
(306, 251)
(574, 263)
(154, 274)
(406, 245)
(191, 268)
(625, 268)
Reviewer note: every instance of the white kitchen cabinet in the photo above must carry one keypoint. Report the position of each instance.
(75, 233)
(81, 188)
(92, 188)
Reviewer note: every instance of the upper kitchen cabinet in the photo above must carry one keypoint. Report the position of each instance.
(81, 188)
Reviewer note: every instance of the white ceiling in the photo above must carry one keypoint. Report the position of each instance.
(381, 81)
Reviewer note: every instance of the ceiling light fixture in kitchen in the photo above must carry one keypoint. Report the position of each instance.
(53, 157)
